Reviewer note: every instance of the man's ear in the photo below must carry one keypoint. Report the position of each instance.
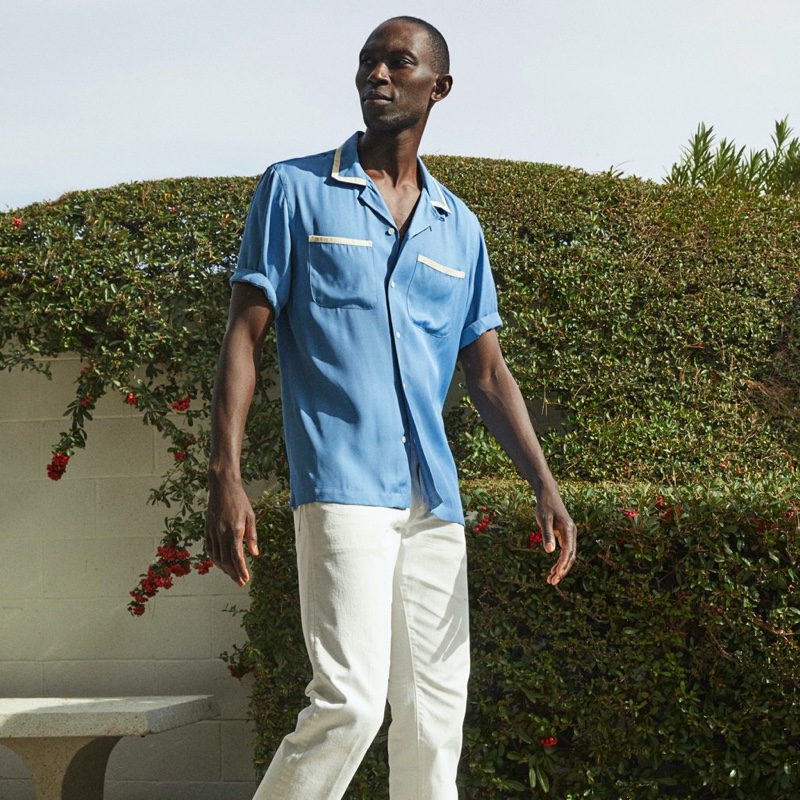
(444, 83)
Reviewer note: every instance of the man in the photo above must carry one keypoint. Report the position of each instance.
(377, 280)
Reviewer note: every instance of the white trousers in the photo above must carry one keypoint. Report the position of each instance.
(383, 597)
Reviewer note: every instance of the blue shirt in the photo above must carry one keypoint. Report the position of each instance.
(368, 326)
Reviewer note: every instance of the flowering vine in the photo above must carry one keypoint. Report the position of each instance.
(172, 562)
(174, 559)
(57, 466)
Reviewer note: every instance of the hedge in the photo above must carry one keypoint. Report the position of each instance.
(654, 331)
(660, 324)
(134, 280)
(667, 665)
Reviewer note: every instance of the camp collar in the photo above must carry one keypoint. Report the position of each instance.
(347, 169)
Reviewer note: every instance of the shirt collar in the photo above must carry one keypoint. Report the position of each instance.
(347, 169)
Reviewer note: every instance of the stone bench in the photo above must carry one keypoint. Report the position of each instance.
(65, 742)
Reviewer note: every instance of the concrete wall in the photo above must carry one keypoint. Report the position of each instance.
(70, 551)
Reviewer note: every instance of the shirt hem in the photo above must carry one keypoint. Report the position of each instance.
(441, 511)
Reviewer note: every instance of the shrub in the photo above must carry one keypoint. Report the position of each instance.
(655, 332)
(134, 280)
(773, 172)
(666, 665)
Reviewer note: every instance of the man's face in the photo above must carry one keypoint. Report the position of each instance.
(396, 79)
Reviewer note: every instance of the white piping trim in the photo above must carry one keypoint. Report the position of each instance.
(443, 204)
(339, 240)
(337, 159)
(455, 273)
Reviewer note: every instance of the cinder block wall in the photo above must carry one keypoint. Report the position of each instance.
(70, 551)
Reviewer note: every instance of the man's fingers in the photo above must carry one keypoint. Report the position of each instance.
(212, 551)
(567, 556)
(548, 537)
(224, 547)
(250, 536)
(238, 565)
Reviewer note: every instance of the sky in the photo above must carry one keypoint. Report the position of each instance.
(99, 92)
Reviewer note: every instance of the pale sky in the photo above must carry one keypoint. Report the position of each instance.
(98, 92)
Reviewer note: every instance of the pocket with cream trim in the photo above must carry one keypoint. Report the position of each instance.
(435, 296)
(342, 272)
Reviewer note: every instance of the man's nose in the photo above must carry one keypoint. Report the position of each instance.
(379, 74)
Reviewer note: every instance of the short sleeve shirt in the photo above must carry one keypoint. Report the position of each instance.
(368, 326)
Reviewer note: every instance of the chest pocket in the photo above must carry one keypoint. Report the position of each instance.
(435, 297)
(342, 272)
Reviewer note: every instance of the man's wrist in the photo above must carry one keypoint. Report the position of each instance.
(224, 473)
(544, 485)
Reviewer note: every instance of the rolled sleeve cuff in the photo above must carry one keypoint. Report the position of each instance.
(262, 282)
(487, 323)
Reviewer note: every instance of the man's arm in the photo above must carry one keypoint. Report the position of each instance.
(499, 401)
(230, 518)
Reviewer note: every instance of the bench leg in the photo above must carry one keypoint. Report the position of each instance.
(70, 768)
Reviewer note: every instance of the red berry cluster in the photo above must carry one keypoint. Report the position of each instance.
(485, 521)
(182, 404)
(202, 567)
(548, 741)
(173, 562)
(534, 537)
(762, 526)
(57, 465)
(665, 511)
(238, 671)
(16, 222)
(130, 399)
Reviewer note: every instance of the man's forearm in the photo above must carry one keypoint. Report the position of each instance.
(502, 408)
(235, 380)
(233, 392)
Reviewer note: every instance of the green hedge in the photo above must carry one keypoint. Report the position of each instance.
(134, 280)
(654, 331)
(660, 324)
(666, 666)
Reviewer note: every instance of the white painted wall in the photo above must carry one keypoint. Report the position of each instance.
(70, 551)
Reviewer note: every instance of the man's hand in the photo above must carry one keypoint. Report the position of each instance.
(230, 521)
(556, 524)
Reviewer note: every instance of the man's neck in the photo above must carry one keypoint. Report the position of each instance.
(391, 162)
(390, 158)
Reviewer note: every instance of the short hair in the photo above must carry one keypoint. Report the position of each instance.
(439, 48)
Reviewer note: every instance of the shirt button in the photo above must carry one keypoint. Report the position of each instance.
(390, 231)
(392, 284)
(397, 335)
(403, 439)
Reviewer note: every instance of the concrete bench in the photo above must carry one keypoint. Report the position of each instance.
(65, 742)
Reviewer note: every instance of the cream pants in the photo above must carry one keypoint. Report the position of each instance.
(383, 597)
